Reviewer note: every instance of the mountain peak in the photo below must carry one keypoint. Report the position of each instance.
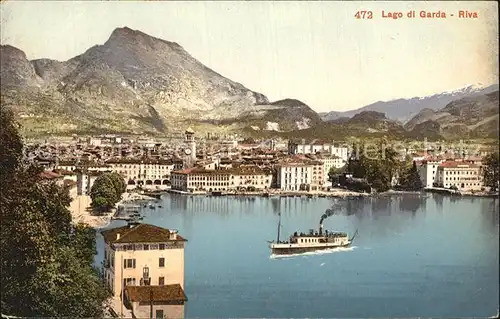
(124, 31)
(11, 51)
(289, 102)
(126, 35)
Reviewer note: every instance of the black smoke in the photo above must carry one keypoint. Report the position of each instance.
(347, 205)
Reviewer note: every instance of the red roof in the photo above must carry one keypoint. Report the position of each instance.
(142, 233)
(156, 293)
(454, 164)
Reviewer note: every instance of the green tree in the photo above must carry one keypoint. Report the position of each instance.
(491, 170)
(83, 240)
(46, 261)
(411, 179)
(118, 182)
(377, 166)
(106, 191)
(101, 204)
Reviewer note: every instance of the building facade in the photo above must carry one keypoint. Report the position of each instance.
(200, 179)
(144, 265)
(428, 172)
(191, 146)
(85, 180)
(315, 146)
(143, 171)
(300, 175)
(462, 175)
(331, 161)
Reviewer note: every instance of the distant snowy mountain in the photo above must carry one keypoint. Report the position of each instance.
(403, 110)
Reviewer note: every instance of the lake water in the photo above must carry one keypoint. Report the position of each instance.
(415, 255)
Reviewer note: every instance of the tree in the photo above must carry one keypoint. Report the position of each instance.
(491, 170)
(118, 182)
(411, 179)
(378, 168)
(46, 261)
(106, 191)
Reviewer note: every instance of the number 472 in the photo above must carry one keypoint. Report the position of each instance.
(364, 15)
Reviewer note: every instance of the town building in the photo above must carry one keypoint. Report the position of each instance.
(143, 171)
(330, 161)
(190, 151)
(317, 146)
(428, 171)
(84, 180)
(462, 175)
(295, 174)
(144, 267)
(201, 179)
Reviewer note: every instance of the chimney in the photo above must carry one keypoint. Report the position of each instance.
(173, 234)
(117, 236)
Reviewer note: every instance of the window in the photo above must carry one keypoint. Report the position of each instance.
(159, 314)
(146, 247)
(129, 263)
(129, 281)
(161, 281)
(161, 262)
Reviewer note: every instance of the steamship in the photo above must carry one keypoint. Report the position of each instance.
(299, 243)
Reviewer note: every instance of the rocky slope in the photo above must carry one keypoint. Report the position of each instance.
(135, 83)
(403, 110)
(471, 117)
(367, 124)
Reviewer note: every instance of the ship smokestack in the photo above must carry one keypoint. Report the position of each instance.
(320, 229)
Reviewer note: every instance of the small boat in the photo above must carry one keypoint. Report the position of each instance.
(151, 206)
(299, 243)
(159, 206)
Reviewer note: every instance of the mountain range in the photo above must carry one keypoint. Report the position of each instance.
(138, 84)
(135, 83)
(402, 110)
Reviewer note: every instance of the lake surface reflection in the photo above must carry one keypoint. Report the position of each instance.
(415, 255)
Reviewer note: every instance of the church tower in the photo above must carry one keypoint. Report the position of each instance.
(189, 134)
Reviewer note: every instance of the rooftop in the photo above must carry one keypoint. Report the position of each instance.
(242, 170)
(454, 164)
(155, 293)
(141, 233)
(140, 161)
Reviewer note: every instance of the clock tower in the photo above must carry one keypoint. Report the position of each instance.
(189, 139)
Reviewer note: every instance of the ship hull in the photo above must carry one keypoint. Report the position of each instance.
(290, 250)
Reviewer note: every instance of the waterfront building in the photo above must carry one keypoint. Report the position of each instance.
(462, 175)
(144, 268)
(428, 170)
(295, 174)
(192, 179)
(143, 171)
